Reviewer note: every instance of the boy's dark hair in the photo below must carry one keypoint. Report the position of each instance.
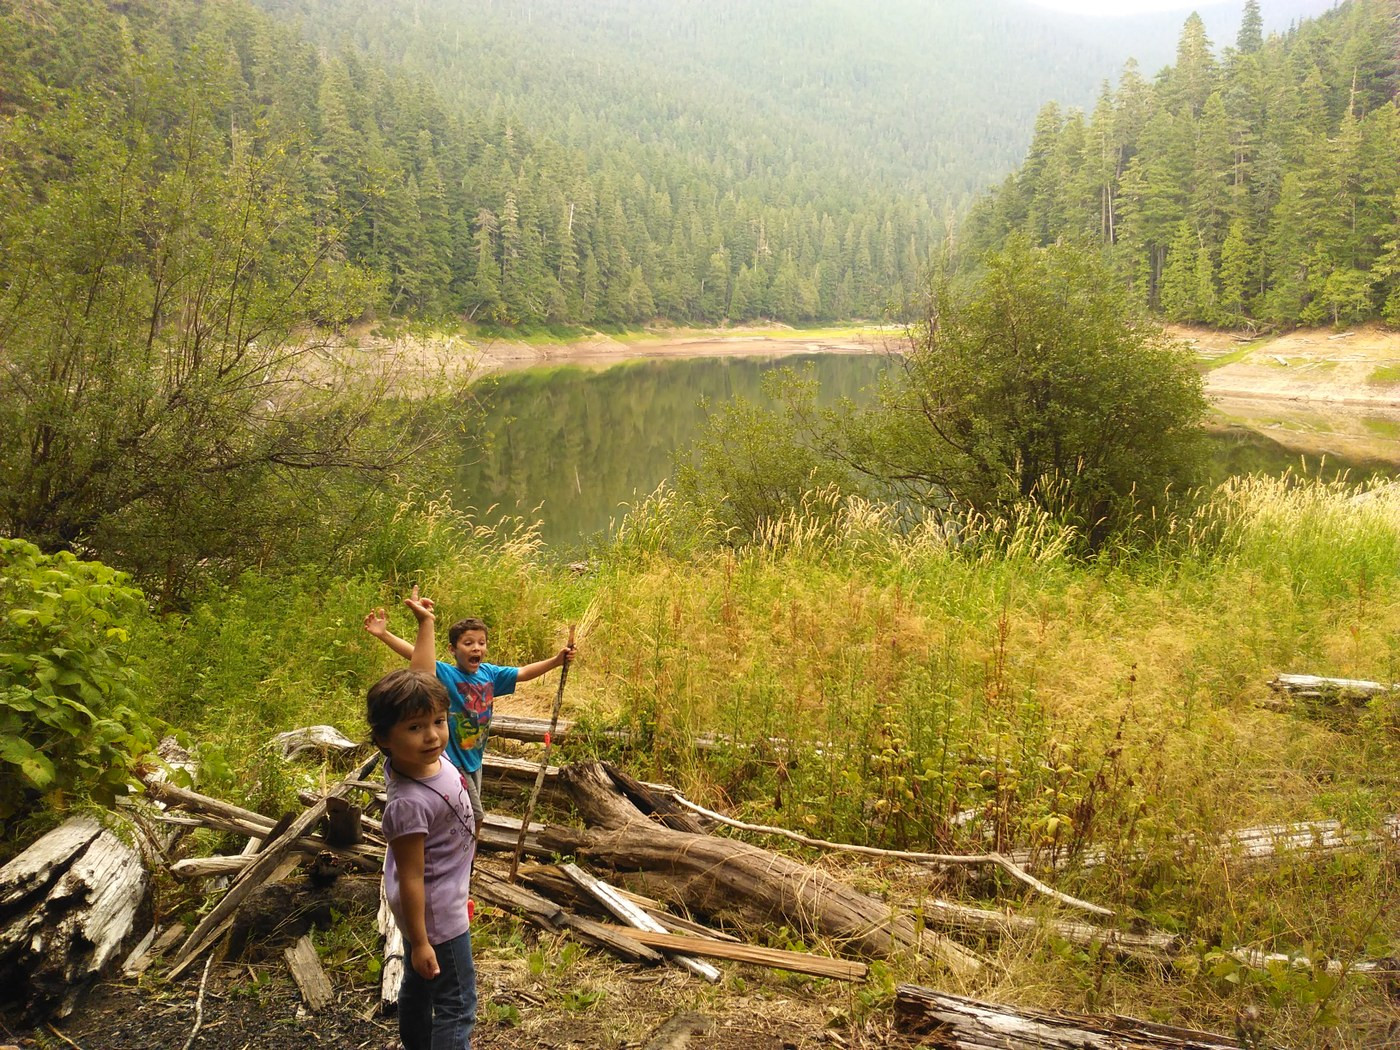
(399, 695)
(461, 627)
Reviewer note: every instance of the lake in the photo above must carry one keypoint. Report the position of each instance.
(572, 445)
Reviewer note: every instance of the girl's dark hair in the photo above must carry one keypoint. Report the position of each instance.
(399, 695)
(461, 627)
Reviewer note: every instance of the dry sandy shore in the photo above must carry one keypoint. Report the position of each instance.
(1319, 390)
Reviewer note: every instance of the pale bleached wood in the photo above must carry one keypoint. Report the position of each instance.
(33, 871)
(967, 1024)
(1316, 687)
(950, 859)
(391, 973)
(310, 976)
(633, 916)
(797, 962)
(79, 907)
(319, 740)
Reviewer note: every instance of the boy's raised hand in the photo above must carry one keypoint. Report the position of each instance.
(377, 622)
(422, 608)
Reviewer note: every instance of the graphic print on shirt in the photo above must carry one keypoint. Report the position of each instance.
(475, 719)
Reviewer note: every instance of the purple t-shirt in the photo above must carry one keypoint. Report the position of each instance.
(438, 807)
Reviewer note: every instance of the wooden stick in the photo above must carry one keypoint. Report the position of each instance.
(544, 763)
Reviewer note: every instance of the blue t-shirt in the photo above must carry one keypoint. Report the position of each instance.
(470, 697)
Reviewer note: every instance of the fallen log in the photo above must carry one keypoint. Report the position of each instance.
(67, 906)
(956, 1023)
(1333, 690)
(935, 859)
(716, 875)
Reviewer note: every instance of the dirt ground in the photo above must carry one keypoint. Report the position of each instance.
(598, 1003)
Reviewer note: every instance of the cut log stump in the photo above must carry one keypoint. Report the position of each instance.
(68, 904)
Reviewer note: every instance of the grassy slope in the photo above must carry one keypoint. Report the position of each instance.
(1114, 706)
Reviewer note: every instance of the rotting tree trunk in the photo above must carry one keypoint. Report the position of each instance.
(716, 875)
(955, 1023)
(67, 905)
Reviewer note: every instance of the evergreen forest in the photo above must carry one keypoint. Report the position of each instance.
(538, 164)
(1259, 185)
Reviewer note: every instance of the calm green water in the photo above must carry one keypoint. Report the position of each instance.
(570, 446)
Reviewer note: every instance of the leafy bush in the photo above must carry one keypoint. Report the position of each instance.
(70, 721)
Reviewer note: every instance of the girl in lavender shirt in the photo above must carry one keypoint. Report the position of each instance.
(430, 828)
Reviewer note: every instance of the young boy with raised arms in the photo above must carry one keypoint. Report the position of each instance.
(431, 830)
(472, 684)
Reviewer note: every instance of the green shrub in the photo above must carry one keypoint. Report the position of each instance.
(70, 722)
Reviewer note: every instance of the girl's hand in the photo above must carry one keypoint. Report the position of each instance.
(422, 608)
(425, 963)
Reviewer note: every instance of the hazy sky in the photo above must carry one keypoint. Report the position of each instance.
(1130, 7)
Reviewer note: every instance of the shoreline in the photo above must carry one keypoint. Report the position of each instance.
(1320, 369)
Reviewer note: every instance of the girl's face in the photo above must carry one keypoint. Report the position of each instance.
(416, 743)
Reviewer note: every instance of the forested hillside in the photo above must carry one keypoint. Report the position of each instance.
(1258, 183)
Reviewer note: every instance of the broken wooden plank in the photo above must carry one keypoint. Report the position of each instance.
(545, 913)
(310, 976)
(136, 964)
(797, 962)
(633, 916)
(957, 1023)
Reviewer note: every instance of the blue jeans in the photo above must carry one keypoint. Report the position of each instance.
(440, 1014)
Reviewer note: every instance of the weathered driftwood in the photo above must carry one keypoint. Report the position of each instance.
(1261, 844)
(263, 868)
(318, 740)
(797, 962)
(310, 976)
(224, 816)
(1335, 690)
(495, 889)
(634, 917)
(67, 906)
(955, 1023)
(716, 875)
(391, 973)
(936, 859)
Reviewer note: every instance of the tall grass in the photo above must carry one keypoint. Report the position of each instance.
(926, 684)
